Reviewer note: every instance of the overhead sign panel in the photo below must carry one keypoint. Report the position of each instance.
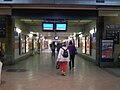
(100, 1)
(7, 0)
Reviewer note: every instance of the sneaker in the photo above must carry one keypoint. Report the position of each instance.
(63, 74)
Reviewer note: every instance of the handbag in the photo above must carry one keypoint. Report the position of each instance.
(57, 65)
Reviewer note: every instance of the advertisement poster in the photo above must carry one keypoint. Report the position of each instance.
(27, 43)
(23, 44)
(107, 50)
(88, 45)
(83, 44)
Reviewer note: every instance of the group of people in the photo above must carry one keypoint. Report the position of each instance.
(53, 47)
(66, 54)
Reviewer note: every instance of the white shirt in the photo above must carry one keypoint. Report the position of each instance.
(60, 57)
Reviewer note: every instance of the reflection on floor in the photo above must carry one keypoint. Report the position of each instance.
(41, 74)
(114, 71)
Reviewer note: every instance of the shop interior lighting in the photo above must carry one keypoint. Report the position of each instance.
(92, 31)
(31, 32)
(18, 30)
(30, 35)
(80, 35)
(37, 33)
(74, 34)
(95, 30)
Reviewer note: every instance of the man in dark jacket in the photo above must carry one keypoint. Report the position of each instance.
(53, 46)
(59, 45)
(72, 51)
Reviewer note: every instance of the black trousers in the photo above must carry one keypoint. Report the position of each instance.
(53, 53)
(71, 63)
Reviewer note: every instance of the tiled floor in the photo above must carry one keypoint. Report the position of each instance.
(42, 75)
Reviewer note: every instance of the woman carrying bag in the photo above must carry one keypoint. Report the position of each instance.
(63, 58)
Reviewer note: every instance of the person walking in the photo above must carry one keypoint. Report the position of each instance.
(63, 58)
(53, 46)
(59, 45)
(72, 51)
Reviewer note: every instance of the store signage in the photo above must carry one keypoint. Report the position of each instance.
(113, 35)
(112, 32)
(88, 45)
(113, 27)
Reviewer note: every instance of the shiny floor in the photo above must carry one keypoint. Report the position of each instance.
(42, 75)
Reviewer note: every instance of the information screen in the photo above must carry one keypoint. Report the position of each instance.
(61, 26)
(47, 26)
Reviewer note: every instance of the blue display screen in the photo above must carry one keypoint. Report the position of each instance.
(61, 26)
(47, 26)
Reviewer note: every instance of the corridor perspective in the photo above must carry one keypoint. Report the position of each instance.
(39, 73)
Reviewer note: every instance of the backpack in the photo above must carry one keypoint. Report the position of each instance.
(65, 53)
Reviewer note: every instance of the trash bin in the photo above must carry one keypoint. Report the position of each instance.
(0, 71)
